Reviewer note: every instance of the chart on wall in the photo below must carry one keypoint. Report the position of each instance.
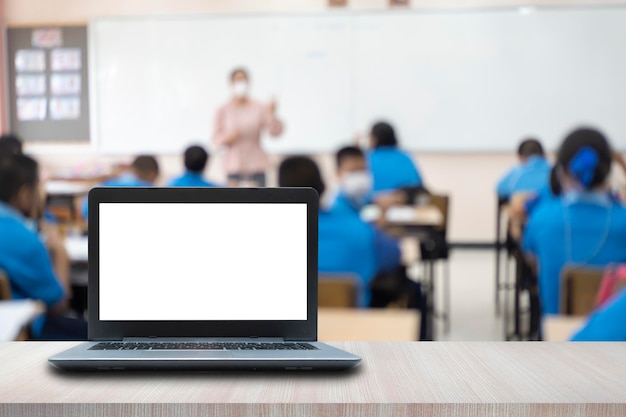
(449, 81)
(48, 83)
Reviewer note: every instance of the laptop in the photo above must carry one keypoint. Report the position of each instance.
(203, 279)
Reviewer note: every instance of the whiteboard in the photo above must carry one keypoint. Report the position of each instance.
(449, 81)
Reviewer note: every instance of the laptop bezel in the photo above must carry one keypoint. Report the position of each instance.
(286, 329)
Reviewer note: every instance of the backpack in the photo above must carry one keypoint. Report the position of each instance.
(613, 281)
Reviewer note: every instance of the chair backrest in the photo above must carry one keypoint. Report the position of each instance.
(5, 287)
(442, 202)
(336, 290)
(579, 287)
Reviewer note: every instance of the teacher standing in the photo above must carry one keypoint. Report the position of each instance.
(238, 128)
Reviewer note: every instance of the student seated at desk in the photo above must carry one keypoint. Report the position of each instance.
(607, 323)
(530, 175)
(24, 257)
(355, 182)
(196, 159)
(523, 203)
(39, 218)
(355, 186)
(584, 225)
(143, 173)
(346, 243)
(390, 167)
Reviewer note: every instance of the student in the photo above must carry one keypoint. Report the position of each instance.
(355, 182)
(10, 145)
(143, 173)
(196, 159)
(24, 257)
(346, 244)
(391, 168)
(530, 175)
(40, 219)
(607, 323)
(584, 225)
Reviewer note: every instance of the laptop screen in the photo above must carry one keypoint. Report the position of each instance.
(202, 261)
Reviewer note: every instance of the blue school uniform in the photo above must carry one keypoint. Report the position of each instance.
(124, 180)
(349, 245)
(391, 169)
(190, 179)
(543, 195)
(342, 204)
(588, 229)
(607, 323)
(25, 260)
(533, 175)
(387, 249)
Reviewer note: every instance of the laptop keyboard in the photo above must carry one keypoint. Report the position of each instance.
(201, 346)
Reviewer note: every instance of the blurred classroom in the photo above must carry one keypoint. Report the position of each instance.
(477, 145)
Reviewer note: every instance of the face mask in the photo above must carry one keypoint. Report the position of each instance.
(240, 89)
(357, 187)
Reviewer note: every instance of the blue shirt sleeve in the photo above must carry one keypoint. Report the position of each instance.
(504, 185)
(607, 324)
(387, 251)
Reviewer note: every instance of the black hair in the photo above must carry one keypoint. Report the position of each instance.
(530, 147)
(10, 144)
(300, 171)
(196, 158)
(237, 71)
(573, 143)
(348, 152)
(145, 165)
(384, 135)
(16, 171)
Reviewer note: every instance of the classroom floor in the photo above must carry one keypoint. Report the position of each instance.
(472, 282)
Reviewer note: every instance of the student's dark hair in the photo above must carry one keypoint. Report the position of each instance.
(348, 152)
(16, 171)
(196, 158)
(10, 144)
(238, 70)
(384, 135)
(584, 154)
(145, 164)
(300, 171)
(530, 147)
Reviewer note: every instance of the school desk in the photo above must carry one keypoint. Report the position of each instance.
(64, 193)
(561, 328)
(419, 223)
(397, 379)
(15, 316)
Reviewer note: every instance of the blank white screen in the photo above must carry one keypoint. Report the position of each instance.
(205, 261)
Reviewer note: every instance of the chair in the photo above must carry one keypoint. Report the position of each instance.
(336, 290)
(579, 287)
(5, 287)
(438, 249)
(499, 244)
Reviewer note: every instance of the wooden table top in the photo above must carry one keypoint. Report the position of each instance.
(399, 379)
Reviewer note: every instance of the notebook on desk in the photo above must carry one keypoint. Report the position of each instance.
(203, 279)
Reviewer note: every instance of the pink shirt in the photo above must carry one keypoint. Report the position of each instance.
(245, 156)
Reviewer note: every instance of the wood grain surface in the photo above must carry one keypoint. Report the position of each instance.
(399, 379)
